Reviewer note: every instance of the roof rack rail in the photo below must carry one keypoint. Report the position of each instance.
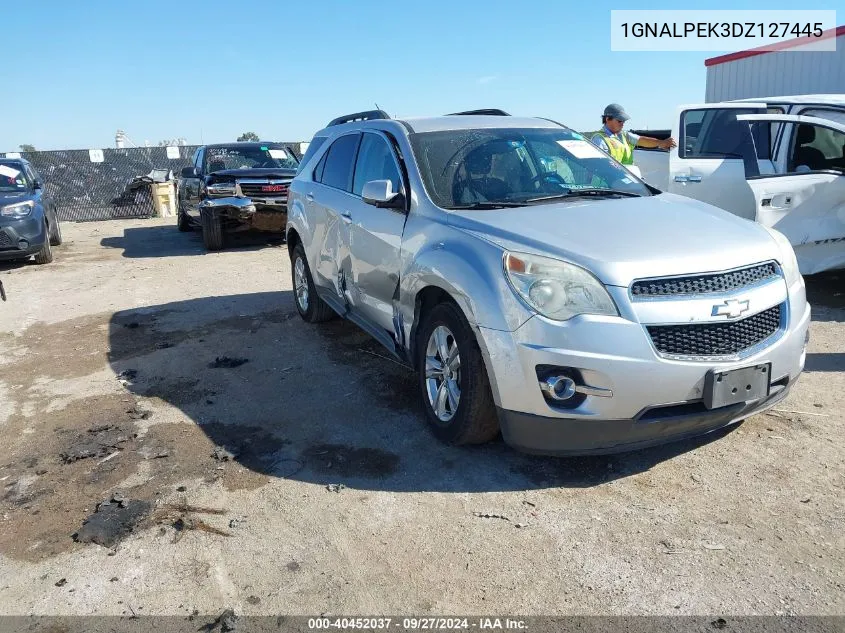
(367, 115)
(483, 111)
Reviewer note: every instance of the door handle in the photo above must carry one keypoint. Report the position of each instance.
(309, 197)
(346, 215)
(687, 178)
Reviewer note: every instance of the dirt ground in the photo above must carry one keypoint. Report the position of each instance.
(228, 455)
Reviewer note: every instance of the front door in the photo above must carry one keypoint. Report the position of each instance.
(806, 201)
(713, 154)
(375, 235)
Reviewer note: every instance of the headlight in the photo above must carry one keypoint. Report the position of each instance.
(221, 189)
(556, 289)
(788, 261)
(17, 210)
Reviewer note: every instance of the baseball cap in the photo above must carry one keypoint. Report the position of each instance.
(616, 111)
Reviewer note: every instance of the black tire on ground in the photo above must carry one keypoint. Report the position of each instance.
(315, 309)
(212, 230)
(45, 255)
(183, 222)
(56, 233)
(475, 420)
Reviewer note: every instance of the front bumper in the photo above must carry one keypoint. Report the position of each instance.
(22, 237)
(263, 214)
(647, 399)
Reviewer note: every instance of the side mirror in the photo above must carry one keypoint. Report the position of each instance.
(379, 193)
(37, 185)
(190, 172)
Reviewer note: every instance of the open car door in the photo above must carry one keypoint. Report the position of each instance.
(714, 154)
(806, 200)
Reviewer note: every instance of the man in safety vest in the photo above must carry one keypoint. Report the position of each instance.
(618, 143)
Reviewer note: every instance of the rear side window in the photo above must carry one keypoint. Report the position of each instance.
(315, 144)
(337, 172)
(375, 162)
(715, 133)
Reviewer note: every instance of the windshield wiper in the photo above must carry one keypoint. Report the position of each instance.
(574, 193)
(480, 206)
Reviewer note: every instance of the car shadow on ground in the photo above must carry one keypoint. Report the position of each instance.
(168, 241)
(826, 295)
(319, 403)
(15, 264)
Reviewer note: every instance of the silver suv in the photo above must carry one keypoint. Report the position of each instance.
(538, 287)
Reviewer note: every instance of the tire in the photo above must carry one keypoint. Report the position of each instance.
(311, 308)
(212, 231)
(45, 255)
(474, 420)
(183, 222)
(56, 233)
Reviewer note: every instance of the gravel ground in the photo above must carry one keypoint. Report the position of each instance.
(304, 480)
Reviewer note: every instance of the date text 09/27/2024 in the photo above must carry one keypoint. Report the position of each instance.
(416, 624)
(750, 30)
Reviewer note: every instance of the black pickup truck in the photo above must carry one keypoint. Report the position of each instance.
(235, 187)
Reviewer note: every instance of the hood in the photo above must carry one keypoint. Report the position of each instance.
(234, 174)
(620, 240)
(11, 197)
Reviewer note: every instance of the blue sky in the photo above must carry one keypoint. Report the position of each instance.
(208, 71)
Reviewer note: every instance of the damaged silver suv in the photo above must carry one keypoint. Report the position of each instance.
(538, 287)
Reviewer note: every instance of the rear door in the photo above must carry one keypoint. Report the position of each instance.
(806, 200)
(713, 155)
(375, 234)
(330, 202)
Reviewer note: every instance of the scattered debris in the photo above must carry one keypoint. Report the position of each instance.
(41, 471)
(180, 518)
(670, 548)
(520, 525)
(227, 621)
(181, 489)
(222, 455)
(107, 458)
(111, 522)
(819, 406)
(293, 566)
(99, 441)
(227, 363)
(253, 600)
(335, 487)
(163, 345)
(777, 437)
(392, 360)
(484, 515)
(528, 503)
(62, 582)
(137, 414)
(714, 546)
(807, 500)
(696, 478)
(719, 623)
(823, 415)
(128, 374)
(113, 579)
(237, 522)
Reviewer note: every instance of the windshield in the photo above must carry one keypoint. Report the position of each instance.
(12, 178)
(465, 168)
(254, 157)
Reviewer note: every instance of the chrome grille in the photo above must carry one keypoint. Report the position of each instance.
(250, 189)
(715, 339)
(704, 284)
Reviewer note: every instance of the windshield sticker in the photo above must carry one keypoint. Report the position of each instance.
(582, 149)
(7, 171)
(277, 153)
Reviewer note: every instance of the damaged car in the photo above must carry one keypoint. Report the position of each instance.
(539, 288)
(232, 187)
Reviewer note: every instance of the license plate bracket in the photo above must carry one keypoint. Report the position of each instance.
(724, 388)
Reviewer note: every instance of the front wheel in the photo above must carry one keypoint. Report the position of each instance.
(453, 380)
(45, 255)
(56, 233)
(183, 223)
(212, 230)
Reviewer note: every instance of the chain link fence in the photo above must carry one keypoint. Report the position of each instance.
(109, 184)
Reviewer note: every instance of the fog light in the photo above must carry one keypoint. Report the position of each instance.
(23, 245)
(558, 387)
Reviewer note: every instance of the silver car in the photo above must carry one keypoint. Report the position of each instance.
(538, 287)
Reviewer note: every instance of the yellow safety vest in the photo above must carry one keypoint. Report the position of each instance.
(620, 149)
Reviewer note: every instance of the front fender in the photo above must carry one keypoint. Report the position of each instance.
(470, 271)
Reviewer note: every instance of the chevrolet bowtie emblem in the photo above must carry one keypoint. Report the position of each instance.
(731, 308)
